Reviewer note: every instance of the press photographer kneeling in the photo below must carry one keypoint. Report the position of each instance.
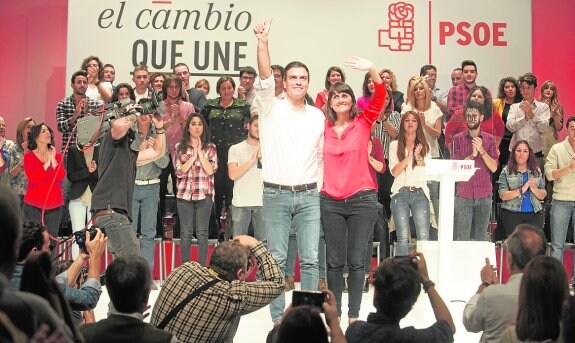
(35, 240)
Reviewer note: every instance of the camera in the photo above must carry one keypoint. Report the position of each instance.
(92, 127)
(80, 237)
(312, 298)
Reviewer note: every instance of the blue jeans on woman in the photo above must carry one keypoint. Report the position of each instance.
(402, 203)
(348, 224)
(194, 214)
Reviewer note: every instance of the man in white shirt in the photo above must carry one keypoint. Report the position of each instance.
(141, 79)
(245, 169)
(529, 119)
(291, 136)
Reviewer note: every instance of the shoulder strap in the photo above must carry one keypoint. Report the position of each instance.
(184, 302)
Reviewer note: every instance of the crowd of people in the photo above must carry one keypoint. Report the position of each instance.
(315, 179)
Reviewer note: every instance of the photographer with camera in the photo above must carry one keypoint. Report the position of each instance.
(112, 197)
(398, 282)
(35, 240)
(199, 304)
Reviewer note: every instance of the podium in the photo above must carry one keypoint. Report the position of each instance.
(454, 266)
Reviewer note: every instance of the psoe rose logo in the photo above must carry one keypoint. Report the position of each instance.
(400, 33)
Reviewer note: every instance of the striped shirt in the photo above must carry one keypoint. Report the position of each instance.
(195, 184)
(381, 132)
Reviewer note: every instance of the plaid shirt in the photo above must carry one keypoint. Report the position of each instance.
(65, 110)
(214, 315)
(456, 99)
(479, 185)
(195, 184)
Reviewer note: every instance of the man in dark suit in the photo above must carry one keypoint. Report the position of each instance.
(129, 283)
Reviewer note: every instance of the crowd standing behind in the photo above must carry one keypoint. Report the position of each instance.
(302, 178)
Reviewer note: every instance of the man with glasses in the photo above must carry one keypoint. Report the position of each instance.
(189, 92)
(529, 119)
(246, 89)
(473, 198)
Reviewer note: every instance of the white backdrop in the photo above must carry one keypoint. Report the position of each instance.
(218, 38)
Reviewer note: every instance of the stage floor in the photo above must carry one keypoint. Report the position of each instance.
(255, 326)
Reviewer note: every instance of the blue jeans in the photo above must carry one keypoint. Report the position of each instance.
(145, 201)
(561, 213)
(401, 204)
(292, 252)
(194, 214)
(79, 215)
(122, 240)
(281, 209)
(348, 224)
(241, 218)
(471, 216)
(433, 187)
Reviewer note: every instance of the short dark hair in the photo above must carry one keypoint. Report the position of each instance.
(222, 80)
(117, 92)
(167, 81)
(529, 79)
(180, 65)
(248, 70)
(466, 63)
(35, 132)
(425, 68)
(78, 73)
(228, 258)
(129, 281)
(297, 64)
(253, 118)
(32, 237)
(11, 224)
(544, 288)
(525, 243)
(570, 119)
(474, 105)
(280, 68)
(340, 87)
(109, 65)
(301, 324)
(397, 286)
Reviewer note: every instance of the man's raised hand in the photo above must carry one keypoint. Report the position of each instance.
(262, 30)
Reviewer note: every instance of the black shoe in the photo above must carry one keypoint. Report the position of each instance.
(345, 284)
(366, 285)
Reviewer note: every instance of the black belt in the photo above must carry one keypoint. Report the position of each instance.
(98, 213)
(294, 188)
(539, 154)
(410, 189)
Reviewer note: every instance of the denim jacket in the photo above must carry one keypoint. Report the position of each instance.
(509, 181)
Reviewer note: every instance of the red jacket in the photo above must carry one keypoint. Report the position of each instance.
(40, 180)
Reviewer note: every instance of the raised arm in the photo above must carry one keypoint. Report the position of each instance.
(158, 150)
(264, 64)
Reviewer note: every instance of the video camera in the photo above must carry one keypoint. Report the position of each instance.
(91, 128)
(80, 236)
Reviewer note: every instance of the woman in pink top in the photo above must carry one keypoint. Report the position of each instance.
(334, 75)
(348, 198)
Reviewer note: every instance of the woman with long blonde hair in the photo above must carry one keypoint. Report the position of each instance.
(551, 98)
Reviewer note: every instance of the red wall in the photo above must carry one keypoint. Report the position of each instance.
(33, 55)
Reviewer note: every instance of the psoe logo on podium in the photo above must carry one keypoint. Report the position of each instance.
(400, 33)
